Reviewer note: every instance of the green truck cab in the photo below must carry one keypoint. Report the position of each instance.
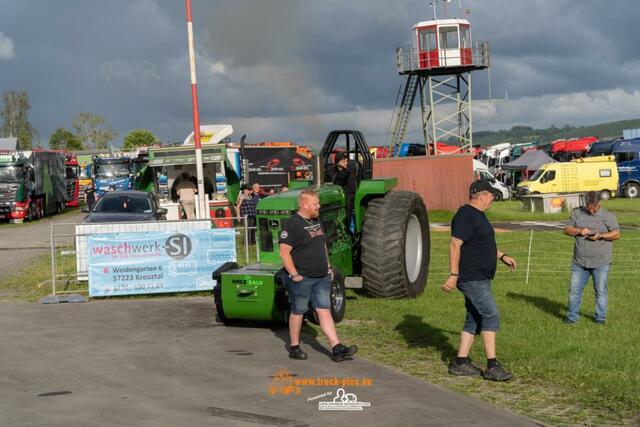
(32, 184)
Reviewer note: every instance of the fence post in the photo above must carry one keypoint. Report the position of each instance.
(529, 257)
(53, 262)
(246, 240)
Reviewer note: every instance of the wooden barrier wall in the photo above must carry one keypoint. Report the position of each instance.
(442, 181)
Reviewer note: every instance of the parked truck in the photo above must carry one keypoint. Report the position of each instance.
(627, 154)
(565, 150)
(111, 173)
(580, 175)
(220, 180)
(32, 184)
(72, 179)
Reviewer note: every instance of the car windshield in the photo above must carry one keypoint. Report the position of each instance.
(110, 170)
(11, 174)
(71, 172)
(123, 203)
(536, 175)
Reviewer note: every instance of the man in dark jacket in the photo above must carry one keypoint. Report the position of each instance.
(90, 196)
(345, 174)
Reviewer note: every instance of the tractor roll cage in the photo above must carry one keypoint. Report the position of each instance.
(359, 151)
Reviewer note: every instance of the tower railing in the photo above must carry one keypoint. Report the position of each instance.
(408, 58)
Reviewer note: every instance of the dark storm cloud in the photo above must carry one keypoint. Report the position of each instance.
(261, 62)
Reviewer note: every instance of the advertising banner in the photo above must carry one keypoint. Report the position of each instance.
(276, 166)
(158, 262)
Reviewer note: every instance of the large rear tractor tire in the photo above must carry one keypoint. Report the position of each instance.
(338, 300)
(396, 246)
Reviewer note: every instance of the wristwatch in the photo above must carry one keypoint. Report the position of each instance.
(293, 276)
(454, 274)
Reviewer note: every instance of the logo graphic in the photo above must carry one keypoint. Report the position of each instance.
(343, 401)
(105, 270)
(282, 383)
(186, 268)
(178, 246)
(284, 235)
(273, 163)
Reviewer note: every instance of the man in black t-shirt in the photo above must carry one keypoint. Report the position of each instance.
(304, 254)
(473, 254)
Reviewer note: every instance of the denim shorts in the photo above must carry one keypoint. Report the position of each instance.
(482, 311)
(314, 289)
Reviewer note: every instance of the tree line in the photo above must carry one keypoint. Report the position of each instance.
(519, 134)
(88, 130)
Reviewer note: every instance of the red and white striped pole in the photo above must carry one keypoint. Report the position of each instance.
(202, 201)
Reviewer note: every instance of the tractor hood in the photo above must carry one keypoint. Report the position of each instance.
(287, 203)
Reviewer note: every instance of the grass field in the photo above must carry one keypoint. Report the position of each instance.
(627, 211)
(564, 374)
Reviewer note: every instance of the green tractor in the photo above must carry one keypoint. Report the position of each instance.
(384, 248)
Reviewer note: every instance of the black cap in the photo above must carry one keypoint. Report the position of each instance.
(339, 156)
(478, 186)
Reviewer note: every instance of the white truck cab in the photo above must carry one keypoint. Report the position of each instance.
(481, 171)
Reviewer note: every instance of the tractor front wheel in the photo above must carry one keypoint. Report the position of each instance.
(396, 246)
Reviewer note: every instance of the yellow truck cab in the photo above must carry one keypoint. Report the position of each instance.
(577, 176)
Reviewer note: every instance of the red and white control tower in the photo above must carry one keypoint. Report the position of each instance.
(438, 66)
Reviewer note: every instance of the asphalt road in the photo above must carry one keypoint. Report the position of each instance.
(20, 244)
(167, 362)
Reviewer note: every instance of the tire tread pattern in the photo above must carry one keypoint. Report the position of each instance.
(383, 266)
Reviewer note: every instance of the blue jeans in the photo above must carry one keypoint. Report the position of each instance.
(482, 311)
(579, 279)
(314, 289)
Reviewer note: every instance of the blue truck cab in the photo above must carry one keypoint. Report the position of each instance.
(111, 173)
(627, 153)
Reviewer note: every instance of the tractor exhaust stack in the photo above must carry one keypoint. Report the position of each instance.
(318, 172)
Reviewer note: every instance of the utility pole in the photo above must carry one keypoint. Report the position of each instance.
(202, 201)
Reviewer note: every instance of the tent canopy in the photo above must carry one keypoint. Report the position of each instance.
(531, 161)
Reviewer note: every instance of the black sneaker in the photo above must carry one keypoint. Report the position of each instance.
(297, 353)
(497, 373)
(466, 369)
(341, 352)
(568, 321)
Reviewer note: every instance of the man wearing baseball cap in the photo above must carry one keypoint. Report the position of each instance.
(473, 255)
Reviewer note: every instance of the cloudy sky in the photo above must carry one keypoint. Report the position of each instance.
(295, 69)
